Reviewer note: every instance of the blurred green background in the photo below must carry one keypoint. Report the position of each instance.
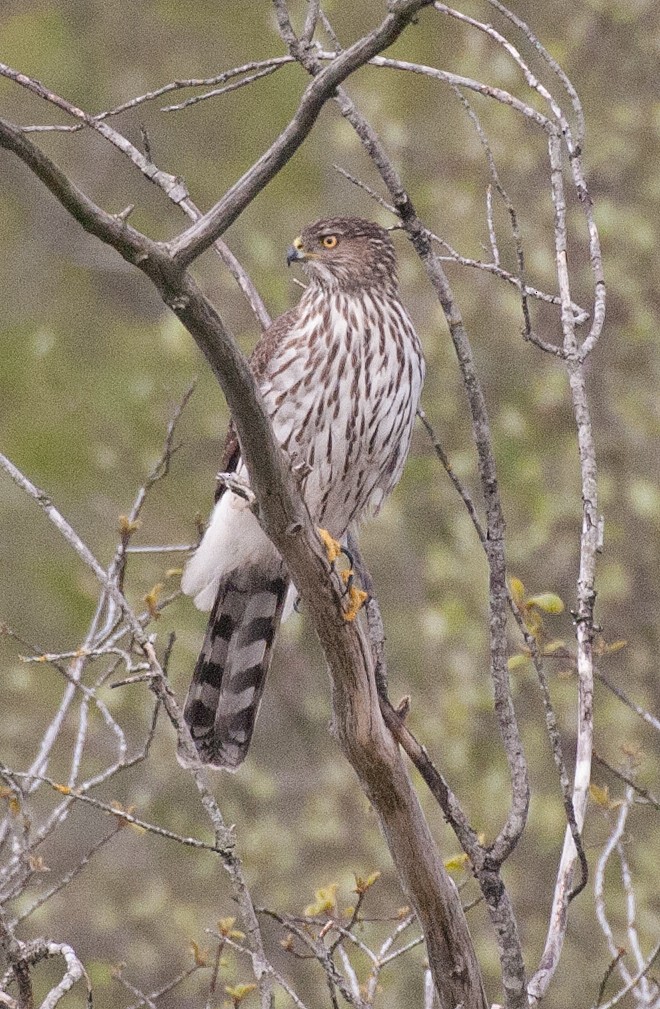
(92, 365)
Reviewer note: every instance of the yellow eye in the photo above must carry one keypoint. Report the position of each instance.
(329, 241)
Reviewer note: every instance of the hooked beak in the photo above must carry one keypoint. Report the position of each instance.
(295, 252)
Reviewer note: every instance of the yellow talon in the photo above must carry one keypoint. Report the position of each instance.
(356, 600)
(356, 597)
(332, 546)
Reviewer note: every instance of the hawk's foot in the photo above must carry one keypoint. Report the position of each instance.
(355, 597)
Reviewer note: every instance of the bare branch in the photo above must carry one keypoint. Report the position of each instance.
(552, 63)
(234, 86)
(74, 972)
(162, 548)
(491, 225)
(126, 817)
(513, 219)
(643, 792)
(23, 955)
(173, 186)
(581, 316)
(462, 490)
(645, 715)
(132, 103)
(584, 618)
(201, 235)
(498, 94)
(330, 32)
(633, 981)
(530, 78)
(143, 999)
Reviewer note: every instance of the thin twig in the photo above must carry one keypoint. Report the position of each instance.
(164, 548)
(637, 708)
(606, 976)
(126, 817)
(633, 981)
(643, 792)
(68, 876)
(134, 990)
(581, 316)
(458, 484)
(266, 72)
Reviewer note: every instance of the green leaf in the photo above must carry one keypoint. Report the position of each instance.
(549, 602)
(600, 795)
(456, 863)
(240, 991)
(552, 647)
(325, 902)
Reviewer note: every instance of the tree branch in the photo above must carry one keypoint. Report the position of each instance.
(584, 616)
(196, 239)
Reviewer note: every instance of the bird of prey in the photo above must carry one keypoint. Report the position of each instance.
(340, 375)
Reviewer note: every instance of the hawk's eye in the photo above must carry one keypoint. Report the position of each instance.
(329, 241)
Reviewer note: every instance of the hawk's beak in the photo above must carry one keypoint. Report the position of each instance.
(295, 252)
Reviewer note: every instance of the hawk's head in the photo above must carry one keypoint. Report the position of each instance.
(346, 253)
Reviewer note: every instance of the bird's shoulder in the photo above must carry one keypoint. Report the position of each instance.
(270, 340)
(260, 358)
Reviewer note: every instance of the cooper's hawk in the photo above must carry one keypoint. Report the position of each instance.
(341, 374)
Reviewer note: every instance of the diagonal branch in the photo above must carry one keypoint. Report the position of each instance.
(173, 186)
(196, 239)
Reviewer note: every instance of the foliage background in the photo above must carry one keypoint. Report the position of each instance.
(91, 366)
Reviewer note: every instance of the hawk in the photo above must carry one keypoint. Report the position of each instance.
(341, 375)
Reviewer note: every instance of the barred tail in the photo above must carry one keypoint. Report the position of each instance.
(230, 675)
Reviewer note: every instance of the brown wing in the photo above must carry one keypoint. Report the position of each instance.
(259, 361)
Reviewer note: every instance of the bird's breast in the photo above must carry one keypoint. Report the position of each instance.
(342, 394)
